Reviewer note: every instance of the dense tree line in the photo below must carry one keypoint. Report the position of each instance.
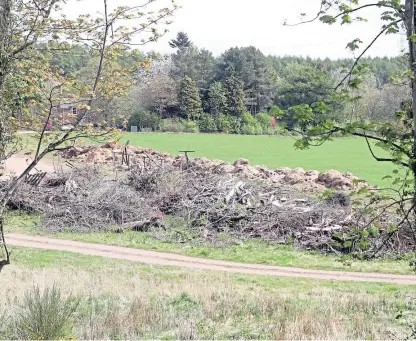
(192, 90)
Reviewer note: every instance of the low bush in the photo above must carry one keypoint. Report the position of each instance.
(146, 130)
(264, 120)
(224, 123)
(248, 119)
(207, 124)
(270, 131)
(251, 129)
(191, 127)
(44, 316)
(172, 125)
(235, 125)
(228, 124)
(144, 120)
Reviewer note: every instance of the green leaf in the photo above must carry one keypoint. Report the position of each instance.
(346, 19)
(365, 234)
(344, 8)
(367, 211)
(364, 245)
(348, 244)
(302, 144)
(327, 19)
(374, 231)
(353, 45)
(392, 30)
(361, 19)
(355, 83)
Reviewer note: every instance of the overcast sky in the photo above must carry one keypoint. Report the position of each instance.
(220, 24)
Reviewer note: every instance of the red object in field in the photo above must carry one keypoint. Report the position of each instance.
(48, 125)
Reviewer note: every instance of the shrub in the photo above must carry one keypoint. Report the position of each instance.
(251, 129)
(224, 123)
(172, 125)
(249, 119)
(264, 120)
(275, 111)
(144, 119)
(207, 124)
(191, 127)
(235, 127)
(228, 124)
(270, 131)
(146, 130)
(250, 126)
(45, 316)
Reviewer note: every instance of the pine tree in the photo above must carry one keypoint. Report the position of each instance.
(234, 89)
(217, 99)
(190, 103)
(181, 42)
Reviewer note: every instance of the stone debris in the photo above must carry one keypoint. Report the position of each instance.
(311, 180)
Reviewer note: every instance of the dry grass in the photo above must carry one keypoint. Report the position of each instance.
(132, 301)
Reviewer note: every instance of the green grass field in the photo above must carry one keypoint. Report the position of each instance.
(345, 155)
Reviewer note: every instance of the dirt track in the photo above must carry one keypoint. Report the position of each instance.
(165, 259)
(18, 163)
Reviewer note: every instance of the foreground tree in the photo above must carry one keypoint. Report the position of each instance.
(24, 66)
(397, 139)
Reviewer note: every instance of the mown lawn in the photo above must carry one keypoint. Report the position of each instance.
(342, 154)
(345, 155)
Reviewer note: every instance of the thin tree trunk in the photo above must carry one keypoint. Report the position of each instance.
(410, 27)
(5, 10)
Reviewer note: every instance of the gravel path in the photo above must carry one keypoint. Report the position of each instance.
(165, 259)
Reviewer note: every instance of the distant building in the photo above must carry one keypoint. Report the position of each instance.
(67, 109)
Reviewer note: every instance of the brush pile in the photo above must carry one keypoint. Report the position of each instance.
(84, 200)
(89, 199)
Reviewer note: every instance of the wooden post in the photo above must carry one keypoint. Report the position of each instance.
(186, 156)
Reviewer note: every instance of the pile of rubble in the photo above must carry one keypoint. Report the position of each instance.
(144, 157)
(304, 180)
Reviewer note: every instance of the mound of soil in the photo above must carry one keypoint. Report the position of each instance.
(311, 180)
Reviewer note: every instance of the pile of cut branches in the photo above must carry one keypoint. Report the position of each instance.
(89, 199)
(81, 201)
(253, 209)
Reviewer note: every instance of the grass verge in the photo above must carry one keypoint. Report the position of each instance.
(121, 300)
(248, 251)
